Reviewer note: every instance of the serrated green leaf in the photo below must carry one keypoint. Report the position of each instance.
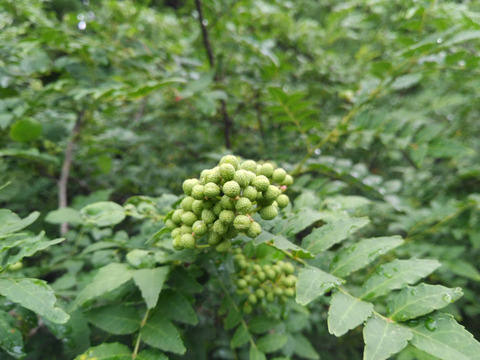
(463, 36)
(64, 215)
(440, 335)
(362, 253)
(395, 275)
(283, 243)
(34, 294)
(107, 351)
(313, 282)
(255, 354)
(462, 268)
(174, 305)
(233, 318)
(11, 340)
(150, 283)
(150, 355)
(303, 348)
(26, 130)
(261, 324)
(107, 279)
(346, 313)
(271, 342)
(160, 333)
(11, 222)
(103, 213)
(383, 338)
(115, 319)
(415, 301)
(321, 239)
(240, 337)
(298, 222)
(29, 246)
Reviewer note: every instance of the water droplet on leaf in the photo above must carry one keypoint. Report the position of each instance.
(431, 324)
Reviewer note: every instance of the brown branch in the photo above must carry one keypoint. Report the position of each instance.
(67, 162)
(206, 39)
(227, 120)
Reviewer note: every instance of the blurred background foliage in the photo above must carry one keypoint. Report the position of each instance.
(372, 98)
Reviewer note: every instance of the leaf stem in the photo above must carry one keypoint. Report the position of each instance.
(137, 343)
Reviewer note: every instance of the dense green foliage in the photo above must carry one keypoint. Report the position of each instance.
(106, 107)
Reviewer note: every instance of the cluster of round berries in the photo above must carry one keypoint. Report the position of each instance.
(220, 204)
(269, 282)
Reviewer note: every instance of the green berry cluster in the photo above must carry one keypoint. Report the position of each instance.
(263, 283)
(220, 204)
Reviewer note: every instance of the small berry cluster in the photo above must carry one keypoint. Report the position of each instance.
(220, 204)
(258, 282)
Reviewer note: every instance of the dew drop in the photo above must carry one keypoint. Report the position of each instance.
(414, 292)
(82, 25)
(447, 298)
(412, 323)
(317, 151)
(439, 40)
(388, 275)
(205, 22)
(431, 324)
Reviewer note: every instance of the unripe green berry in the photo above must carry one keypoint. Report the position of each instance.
(197, 192)
(242, 264)
(279, 175)
(261, 183)
(185, 229)
(223, 246)
(262, 201)
(188, 185)
(219, 227)
(177, 216)
(282, 201)
(188, 241)
(186, 203)
(255, 282)
(243, 205)
(188, 218)
(278, 291)
(277, 269)
(176, 232)
(247, 308)
(254, 230)
(213, 238)
(252, 299)
(241, 283)
(271, 297)
(197, 207)
(170, 225)
(260, 293)
(242, 222)
(288, 180)
(230, 159)
(176, 243)
(231, 232)
(261, 276)
(211, 190)
(270, 274)
(257, 268)
(272, 193)
(267, 169)
(231, 189)
(268, 213)
(208, 216)
(213, 176)
(203, 174)
(290, 292)
(199, 228)
(227, 171)
(227, 203)
(249, 165)
(250, 193)
(227, 216)
(242, 178)
(288, 268)
(217, 209)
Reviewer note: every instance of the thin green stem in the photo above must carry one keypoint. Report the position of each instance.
(137, 343)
